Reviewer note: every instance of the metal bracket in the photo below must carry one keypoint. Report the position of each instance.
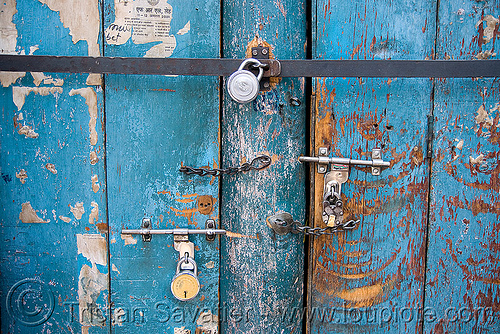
(323, 161)
(332, 205)
(262, 52)
(281, 223)
(146, 226)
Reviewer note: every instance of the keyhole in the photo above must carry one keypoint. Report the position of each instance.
(185, 294)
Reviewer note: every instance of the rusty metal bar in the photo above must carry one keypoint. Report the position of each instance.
(225, 67)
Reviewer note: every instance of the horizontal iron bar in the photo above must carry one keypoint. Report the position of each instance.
(175, 231)
(346, 161)
(225, 67)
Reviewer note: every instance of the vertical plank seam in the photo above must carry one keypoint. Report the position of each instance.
(221, 106)
(308, 179)
(105, 157)
(311, 170)
(430, 154)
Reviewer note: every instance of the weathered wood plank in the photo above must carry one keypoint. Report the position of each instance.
(154, 125)
(370, 280)
(53, 206)
(463, 277)
(262, 273)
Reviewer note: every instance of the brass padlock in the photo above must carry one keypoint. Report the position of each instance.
(185, 284)
(243, 85)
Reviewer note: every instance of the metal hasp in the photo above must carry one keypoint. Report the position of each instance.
(185, 284)
(333, 208)
(149, 232)
(283, 223)
(262, 52)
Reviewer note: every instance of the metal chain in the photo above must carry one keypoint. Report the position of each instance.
(308, 230)
(257, 163)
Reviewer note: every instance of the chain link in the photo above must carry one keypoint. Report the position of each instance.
(257, 163)
(308, 230)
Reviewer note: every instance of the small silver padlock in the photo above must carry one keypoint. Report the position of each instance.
(185, 284)
(243, 85)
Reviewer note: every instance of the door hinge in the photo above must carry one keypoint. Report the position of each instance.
(430, 136)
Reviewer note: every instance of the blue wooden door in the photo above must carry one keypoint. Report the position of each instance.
(424, 257)
(54, 254)
(154, 125)
(83, 157)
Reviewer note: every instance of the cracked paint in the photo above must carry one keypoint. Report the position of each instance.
(65, 219)
(128, 239)
(94, 213)
(93, 158)
(95, 183)
(185, 29)
(93, 247)
(78, 210)
(19, 93)
(51, 167)
(90, 96)
(8, 39)
(22, 176)
(39, 77)
(207, 323)
(27, 131)
(91, 284)
(71, 13)
(28, 215)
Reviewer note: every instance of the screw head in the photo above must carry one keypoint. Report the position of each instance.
(264, 51)
(321, 169)
(266, 84)
(376, 171)
(254, 52)
(322, 151)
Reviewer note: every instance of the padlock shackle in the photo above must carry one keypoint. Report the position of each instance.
(256, 62)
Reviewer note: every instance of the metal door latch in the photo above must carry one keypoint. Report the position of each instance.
(185, 284)
(283, 223)
(333, 210)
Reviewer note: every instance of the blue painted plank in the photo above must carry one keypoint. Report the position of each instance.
(155, 124)
(370, 280)
(262, 273)
(462, 286)
(52, 198)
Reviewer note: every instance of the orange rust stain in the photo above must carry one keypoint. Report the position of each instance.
(164, 90)
(364, 295)
(188, 213)
(184, 200)
(87, 228)
(353, 253)
(417, 156)
(189, 195)
(351, 265)
(164, 192)
(257, 41)
(476, 206)
(367, 273)
(160, 218)
(103, 227)
(238, 235)
(468, 272)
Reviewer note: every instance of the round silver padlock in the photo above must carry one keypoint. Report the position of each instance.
(243, 85)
